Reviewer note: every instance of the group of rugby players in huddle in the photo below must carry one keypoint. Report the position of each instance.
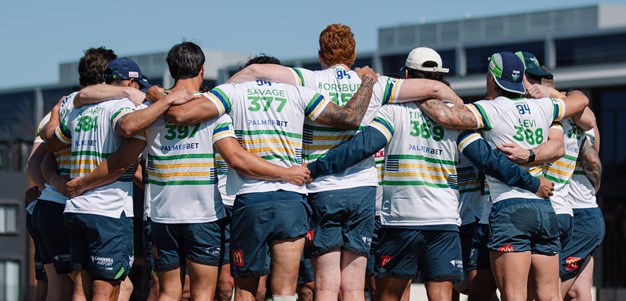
(338, 182)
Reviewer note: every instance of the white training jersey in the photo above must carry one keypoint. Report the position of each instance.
(470, 191)
(222, 179)
(420, 185)
(582, 194)
(379, 158)
(268, 119)
(560, 171)
(338, 84)
(62, 157)
(522, 121)
(182, 172)
(91, 132)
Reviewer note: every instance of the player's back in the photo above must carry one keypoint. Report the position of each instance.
(268, 120)
(93, 139)
(522, 121)
(420, 177)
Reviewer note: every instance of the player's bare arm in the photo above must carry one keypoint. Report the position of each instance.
(49, 172)
(575, 101)
(547, 152)
(419, 88)
(111, 169)
(454, 117)
(266, 72)
(253, 166)
(585, 120)
(591, 164)
(33, 167)
(102, 92)
(351, 115)
(47, 131)
(138, 121)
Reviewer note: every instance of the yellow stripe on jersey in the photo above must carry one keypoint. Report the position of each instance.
(434, 168)
(183, 165)
(180, 174)
(61, 136)
(479, 119)
(383, 126)
(559, 108)
(414, 174)
(269, 149)
(391, 90)
(466, 138)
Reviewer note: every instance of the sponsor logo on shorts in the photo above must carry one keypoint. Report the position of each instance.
(506, 248)
(572, 263)
(62, 258)
(309, 238)
(384, 260)
(367, 240)
(213, 251)
(237, 257)
(457, 263)
(103, 261)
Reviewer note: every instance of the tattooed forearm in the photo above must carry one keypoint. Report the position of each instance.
(351, 115)
(456, 117)
(591, 164)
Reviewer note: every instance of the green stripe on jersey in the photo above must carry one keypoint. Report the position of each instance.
(269, 132)
(90, 153)
(327, 129)
(290, 159)
(556, 180)
(570, 157)
(423, 158)
(186, 156)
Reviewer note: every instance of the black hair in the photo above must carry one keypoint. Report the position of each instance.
(262, 59)
(185, 60)
(92, 65)
(508, 94)
(413, 73)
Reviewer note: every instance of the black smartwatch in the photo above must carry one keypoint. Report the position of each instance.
(531, 157)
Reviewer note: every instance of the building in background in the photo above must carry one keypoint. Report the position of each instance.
(585, 47)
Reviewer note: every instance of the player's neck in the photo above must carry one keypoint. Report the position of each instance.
(191, 84)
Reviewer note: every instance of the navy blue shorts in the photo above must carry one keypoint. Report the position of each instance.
(587, 236)
(466, 232)
(40, 272)
(201, 243)
(305, 272)
(147, 243)
(55, 245)
(229, 216)
(259, 219)
(370, 270)
(520, 225)
(479, 253)
(343, 218)
(99, 244)
(566, 225)
(403, 252)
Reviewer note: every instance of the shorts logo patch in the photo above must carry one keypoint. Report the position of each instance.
(309, 238)
(572, 263)
(384, 260)
(237, 257)
(62, 258)
(457, 263)
(155, 252)
(506, 248)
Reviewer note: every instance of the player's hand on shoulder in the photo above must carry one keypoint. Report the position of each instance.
(538, 91)
(181, 96)
(136, 96)
(546, 187)
(155, 93)
(74, 187)
(366, 72)
(514, 152)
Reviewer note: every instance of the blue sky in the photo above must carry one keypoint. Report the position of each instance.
(38, 35)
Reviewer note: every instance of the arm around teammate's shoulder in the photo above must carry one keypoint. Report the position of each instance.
(453, 117)
(266, 72)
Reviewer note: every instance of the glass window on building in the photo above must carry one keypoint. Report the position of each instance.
(612, 125)
(8, 219)
(393, 63)
(591, 50)
(477, 56)
(9, 280)
(363, 61)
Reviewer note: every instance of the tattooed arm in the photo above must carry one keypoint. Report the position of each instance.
(454, 117)
(591, 164)
(351, 115)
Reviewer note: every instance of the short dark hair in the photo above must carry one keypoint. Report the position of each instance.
(262, 59)
(185, 60)
(92, 65)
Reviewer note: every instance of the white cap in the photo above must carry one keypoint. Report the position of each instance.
(418, 56)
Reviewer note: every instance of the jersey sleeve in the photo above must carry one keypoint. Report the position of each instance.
(43, 122)
(484, 113)
(219, 97)
(304, 77)
(63, 133)
(387, 88)
(315, 103)
(591, 136)
(558, 108)
(383, 122)
(557, 126)
(223, 128)
(123, 108)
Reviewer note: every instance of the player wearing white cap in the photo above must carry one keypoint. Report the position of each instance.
(517, 243)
